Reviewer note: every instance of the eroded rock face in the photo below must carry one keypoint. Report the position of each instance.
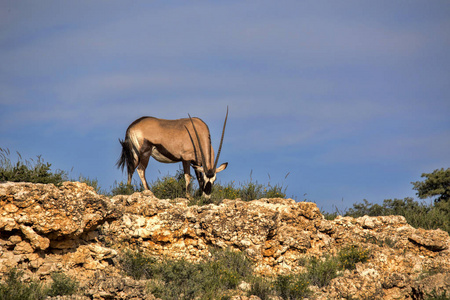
(44, 228)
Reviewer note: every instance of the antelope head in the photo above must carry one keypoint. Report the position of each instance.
(206, 176)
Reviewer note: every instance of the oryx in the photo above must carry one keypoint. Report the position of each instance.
(168, 141)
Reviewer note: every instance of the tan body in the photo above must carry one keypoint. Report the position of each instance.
(169, 141)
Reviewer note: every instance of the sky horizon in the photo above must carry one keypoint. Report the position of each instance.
(351, 99)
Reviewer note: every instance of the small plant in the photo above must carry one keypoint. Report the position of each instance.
(125, 189)
(28, 171)
(137, 264)
(276, 191)
(220, 192)
(180, 279)
(321, 271)
(261, 287)
(290, 287)
(62, 285)
(236, 262)
(15, 289)
(169, 187)
(349, 256)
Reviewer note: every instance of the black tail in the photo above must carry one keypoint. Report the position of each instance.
(126, 158)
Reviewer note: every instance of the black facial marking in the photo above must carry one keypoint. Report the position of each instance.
(207, 188)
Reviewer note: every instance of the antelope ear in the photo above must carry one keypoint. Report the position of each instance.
(222, 167)
(198, 168)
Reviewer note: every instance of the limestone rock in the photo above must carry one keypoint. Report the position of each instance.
(435, 240)
(71, 229)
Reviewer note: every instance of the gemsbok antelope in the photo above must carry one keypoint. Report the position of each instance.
(169, 141)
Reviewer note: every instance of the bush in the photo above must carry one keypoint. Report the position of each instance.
(417, 214)
(235, 261)
(180, 279)
(170, 187)
(28, 171)
(125, 189)
(349, 256)
(261, 287)
(15, 289)
(253, 190)
(137, 264)
(220, 192)
(290, 287)
(321, 272)
(62, 285)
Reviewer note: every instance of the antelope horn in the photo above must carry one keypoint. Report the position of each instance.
(221, 141)
(199, 145)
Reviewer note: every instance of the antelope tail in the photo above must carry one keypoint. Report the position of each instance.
(126, 158)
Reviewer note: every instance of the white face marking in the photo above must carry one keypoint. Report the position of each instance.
(207, 179)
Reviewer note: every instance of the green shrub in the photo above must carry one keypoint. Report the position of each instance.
(180, 279)
(276, 191)
(290, 287)
(246, 191)
(62, 285)
(321, 271)
(137, 264)
(261, 287)
(427, 216)
(235, 261)
(349, 256)
(15, 289)
(170, 187)
(185, 280)
(221, 191)
(125, 189)
(28, 171)
(253, 190)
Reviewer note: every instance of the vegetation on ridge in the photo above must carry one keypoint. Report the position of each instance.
(221, 275)
(28, 170)
(418, 214)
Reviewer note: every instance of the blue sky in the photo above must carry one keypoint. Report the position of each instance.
(351, 98)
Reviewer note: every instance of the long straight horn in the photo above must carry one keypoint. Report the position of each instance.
(199, 145)
(221, 141)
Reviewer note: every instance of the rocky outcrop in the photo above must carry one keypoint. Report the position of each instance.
(70, 228)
